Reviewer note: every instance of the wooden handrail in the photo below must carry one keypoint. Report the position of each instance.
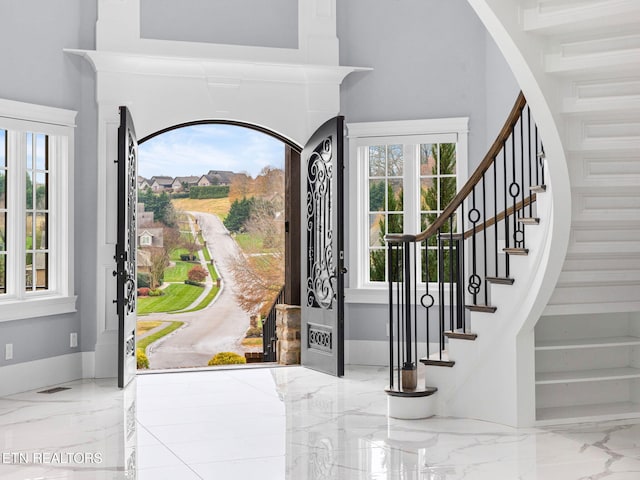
(501, 216)
(464, 192)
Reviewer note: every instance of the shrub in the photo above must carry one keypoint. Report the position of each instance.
(254, 332)
(209, 191)
(143, 292)
(141, 359)
(197, 274)
(187, 258)
(144, 280)
(156, 293)
(195, 284)
(227, 358)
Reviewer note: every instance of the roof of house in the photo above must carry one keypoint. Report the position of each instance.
(152, 231)
(191, 180)
(162, 180)
(225, 176)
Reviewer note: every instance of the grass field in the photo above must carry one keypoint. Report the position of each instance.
(178, 273)
(144, 326)
(216, 206)
(146, 341)
(205, 301)
(176, 297)
(175, 254)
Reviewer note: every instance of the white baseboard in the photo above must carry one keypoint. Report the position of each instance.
(88, 364)
(21, 377)
(366, 352)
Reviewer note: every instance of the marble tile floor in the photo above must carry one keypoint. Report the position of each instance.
(284, 424)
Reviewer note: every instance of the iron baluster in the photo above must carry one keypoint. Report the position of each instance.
(521, 226)
(484, 241)
(529, 151)
(506, 218)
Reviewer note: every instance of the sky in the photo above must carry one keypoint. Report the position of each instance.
(196, 149)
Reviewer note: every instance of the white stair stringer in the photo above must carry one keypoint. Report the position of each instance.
(488, 376)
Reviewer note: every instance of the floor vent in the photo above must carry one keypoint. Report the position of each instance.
(55, 390)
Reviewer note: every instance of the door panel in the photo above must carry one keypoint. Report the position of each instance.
(322, 250)
(126, 247)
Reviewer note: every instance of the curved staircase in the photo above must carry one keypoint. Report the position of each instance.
(563, 343)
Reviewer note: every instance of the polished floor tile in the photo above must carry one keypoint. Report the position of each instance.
(285, 424)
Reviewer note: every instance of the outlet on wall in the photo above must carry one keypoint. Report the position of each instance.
(73, 340)
(8, 351)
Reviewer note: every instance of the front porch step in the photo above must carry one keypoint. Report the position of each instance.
(529, 221)
(538, 188)
(516, 251)
(461, 335)
(500, 280)
(482, 308)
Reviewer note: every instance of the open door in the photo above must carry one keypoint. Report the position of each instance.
(126, 247)
(322, 256)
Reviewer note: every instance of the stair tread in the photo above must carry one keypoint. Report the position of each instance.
(482, 308)
(538, 188)
(516, 251)
(529, 220)
(437, 363)
(500, 280)
(461, 335)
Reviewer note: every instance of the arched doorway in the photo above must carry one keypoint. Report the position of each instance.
(265, 189)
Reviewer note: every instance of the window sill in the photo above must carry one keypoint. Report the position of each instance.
(36, 307)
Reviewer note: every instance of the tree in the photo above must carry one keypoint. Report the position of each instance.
(241, 186)
(238, 214)
(260, 274)
(171, 238)
(159, 262)
(444, 189)
(197, 274)
(377, 257)
(190, 244)
(160, 205)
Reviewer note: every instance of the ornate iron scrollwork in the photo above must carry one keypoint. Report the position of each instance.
(132, 208)
(321, 269)
(319, 337)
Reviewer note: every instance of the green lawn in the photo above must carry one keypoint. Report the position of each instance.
(176, 297)
(175, 254)
(205, 301)
(146, 341)
(178, 273)
(212, 272)
(248, 242)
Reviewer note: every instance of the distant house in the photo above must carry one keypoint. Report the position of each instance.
(150, 237)
(161, 184)
(216, 177)
(143, 261)
(179, 183)
(144, 218)
(143, 183)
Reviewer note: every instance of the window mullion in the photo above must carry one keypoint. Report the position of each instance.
(16, 223)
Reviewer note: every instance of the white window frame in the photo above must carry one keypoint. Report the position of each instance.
(145, 240)
(19, 118)
(442, 130)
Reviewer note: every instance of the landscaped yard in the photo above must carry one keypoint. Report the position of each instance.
(178, 273)
(176, 297)
(143, 327)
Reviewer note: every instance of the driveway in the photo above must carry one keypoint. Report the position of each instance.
(217, 328)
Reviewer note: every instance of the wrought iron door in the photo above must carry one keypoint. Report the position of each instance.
(126, 247)
(322, 250)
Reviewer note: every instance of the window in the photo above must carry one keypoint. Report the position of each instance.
(402, 176)
(36, 145)
(145, 240)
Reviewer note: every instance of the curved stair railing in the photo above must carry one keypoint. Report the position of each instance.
(436, 277)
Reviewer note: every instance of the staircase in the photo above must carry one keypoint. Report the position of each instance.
(558, 339)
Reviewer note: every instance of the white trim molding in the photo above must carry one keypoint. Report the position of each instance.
(19, 120)
(166, 83)
(21, 377)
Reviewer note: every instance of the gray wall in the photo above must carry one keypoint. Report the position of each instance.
(35, 70)
(431, 59)
(234, 22)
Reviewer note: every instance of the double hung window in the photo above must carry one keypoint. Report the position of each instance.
(36, 145)
(403, 175)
